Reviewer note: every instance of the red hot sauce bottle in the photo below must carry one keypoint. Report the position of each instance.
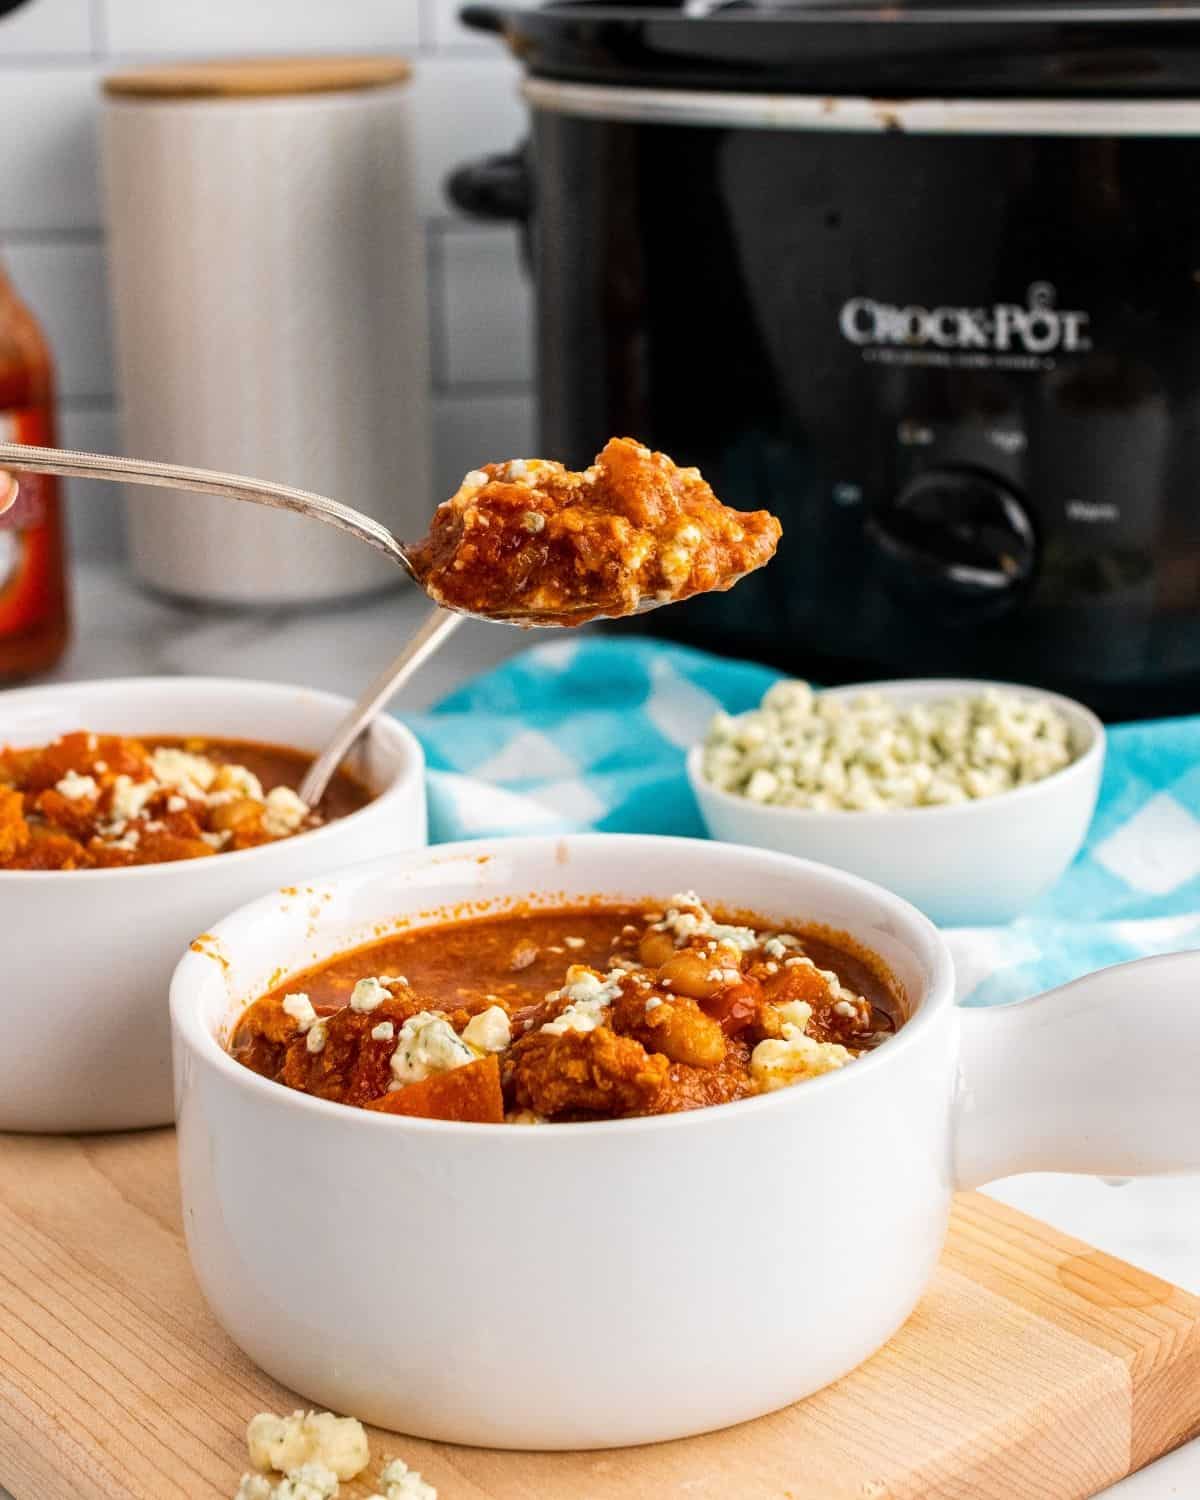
(34, 627)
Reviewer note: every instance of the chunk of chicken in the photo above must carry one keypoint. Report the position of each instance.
(79, 752)
(585, 1072)
(14, 831)
(351, 1063)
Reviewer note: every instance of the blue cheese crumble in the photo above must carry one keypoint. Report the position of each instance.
(398, 1482)
(368, 993)
(589, 996)
(489, 1031)
(315, 1451)
(427, 1044)
(686, 918)
(73, 787)
(869, 753)
(300, 1008)
(337, 1444)
(283, 813)
(794, 1056)
(308, 1482)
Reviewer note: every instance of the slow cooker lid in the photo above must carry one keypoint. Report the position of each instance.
(1004, 49)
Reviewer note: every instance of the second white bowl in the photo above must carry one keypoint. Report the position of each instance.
(969, 863)
(87, 955)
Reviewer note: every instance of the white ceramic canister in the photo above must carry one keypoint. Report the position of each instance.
(268, 285)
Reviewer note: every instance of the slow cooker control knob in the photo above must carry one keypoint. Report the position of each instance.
(956, 542)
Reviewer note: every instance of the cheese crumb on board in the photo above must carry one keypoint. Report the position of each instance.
(314, 1451)
(315, 1437)
(869, 753)
(255, 1487)
(398, 1482)
(308, 1482)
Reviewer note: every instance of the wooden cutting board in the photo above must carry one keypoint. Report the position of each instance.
(1035, 1367)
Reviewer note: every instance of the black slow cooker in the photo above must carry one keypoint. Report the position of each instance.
(924, 282)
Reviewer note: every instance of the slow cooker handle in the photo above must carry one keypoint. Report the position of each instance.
(482, 17)
(1096, 1077)
(493, 187)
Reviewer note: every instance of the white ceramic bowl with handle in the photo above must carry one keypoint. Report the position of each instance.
(86, 955)
(969, 863)
(608, 1283)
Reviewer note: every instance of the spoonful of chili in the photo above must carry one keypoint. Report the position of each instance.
(527, 542)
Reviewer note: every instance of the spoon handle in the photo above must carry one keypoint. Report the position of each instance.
(439, 624)
(21, 456)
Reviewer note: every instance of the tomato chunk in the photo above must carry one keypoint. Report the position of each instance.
(734, 1007)
(471, 1093)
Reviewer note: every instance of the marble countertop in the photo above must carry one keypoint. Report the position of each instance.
(1154, 1223)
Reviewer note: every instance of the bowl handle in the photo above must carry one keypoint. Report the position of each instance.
(1099, 1076)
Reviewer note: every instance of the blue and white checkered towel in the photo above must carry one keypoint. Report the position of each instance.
(590, 733)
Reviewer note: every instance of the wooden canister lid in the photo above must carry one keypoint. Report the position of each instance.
(257, 77)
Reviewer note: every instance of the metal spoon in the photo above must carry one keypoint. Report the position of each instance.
(437, 627)
(20, 456)
(439, 624)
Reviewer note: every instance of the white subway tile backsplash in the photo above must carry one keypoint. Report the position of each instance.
(53, 54)
(94, 516)
(487, 308)
(48, 167)
(465, 107)
(470, 430)
(46, 26)
(209, 27)
(64, 284)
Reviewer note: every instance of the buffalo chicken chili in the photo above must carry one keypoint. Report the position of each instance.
(95, 801)
(589, 1014)
(532, 542)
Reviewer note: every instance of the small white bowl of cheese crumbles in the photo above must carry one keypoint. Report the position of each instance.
(968, 798)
